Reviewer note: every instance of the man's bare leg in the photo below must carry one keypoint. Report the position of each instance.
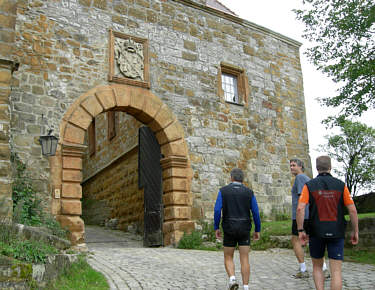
(228, 260)
(336, 274)
(298, 250)
(318, 273)
(245, 266)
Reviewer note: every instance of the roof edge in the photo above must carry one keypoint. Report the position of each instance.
(239, 20)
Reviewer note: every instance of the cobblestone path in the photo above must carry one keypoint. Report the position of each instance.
(127, 265)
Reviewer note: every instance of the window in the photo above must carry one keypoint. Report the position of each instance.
(92, 138)
(111, 118)
(233, 85)
(229, 85)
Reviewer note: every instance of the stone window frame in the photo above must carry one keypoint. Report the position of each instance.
(111, 125)
(125, 80)
(242, 83)
(91, 134)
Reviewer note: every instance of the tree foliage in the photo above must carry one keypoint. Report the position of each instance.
(342, 34)
(354, 150)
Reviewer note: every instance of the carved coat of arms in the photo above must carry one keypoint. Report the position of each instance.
(129, 58)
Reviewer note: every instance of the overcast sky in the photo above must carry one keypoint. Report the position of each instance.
(277, 16)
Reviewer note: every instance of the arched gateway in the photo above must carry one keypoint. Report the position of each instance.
(66, 166)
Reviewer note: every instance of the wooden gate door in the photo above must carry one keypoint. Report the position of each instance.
(150, 178)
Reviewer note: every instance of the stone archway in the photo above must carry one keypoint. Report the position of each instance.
(66, 166)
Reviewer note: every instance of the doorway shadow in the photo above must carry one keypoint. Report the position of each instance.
(97, 236)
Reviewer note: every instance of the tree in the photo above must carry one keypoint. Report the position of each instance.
(354, 150)
(343, 47)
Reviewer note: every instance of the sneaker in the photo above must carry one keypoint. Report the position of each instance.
(326, 273)
(233, 285)
(301, 275)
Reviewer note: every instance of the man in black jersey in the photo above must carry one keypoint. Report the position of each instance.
(236, 201)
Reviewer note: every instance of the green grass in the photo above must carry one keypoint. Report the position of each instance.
(362, 215)
(283, 228)
(360, 256)
(273, 228)
(79, 276)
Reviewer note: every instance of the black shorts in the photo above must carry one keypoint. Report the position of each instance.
(305, 227)
(236, 236)
(335, 248)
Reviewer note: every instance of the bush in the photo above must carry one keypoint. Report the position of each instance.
(208, 231)
(14, 246)
(191, 241)
(79, 276)
(203, 239)
(27, 210)
(27, 206)
(27, 250)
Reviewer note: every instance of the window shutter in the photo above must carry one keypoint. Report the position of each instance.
(92, 138)
(111, 117)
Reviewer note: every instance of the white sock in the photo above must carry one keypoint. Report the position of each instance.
(232, 278)
(302, 267)
(324, 266)
(245, 287)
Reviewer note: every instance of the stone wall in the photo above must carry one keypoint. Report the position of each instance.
(108, 150)
(7, 66)
(62, 47)
(113, 194)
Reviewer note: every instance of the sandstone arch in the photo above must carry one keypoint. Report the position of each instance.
(66, 166)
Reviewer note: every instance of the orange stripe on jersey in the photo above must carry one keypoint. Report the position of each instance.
(304, 197)
(347, 198)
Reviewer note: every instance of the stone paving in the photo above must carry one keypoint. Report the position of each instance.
(128, 265)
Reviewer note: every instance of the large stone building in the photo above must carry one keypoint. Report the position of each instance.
(153, 102)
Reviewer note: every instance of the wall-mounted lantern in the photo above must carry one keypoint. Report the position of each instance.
(49, 144)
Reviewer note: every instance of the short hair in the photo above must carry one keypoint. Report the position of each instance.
(237, 174)
(299, 163)
(323, 163)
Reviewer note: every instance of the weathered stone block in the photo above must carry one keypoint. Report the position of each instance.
(172, 184)
(81, 118)
(4, 152)
(5, 76)
(189, 56)
(175, 172)
(101, 4)
(137, 100)
(73, 223)
(92, 105)
(163, 118)
(175, 198)
(106, 98)
(72, 175)
(86, 3)
(122, 96)
(171, 133)
(150, 108)
(177, 212)
(71, 190)
(7, 21)
(185, 226)
(77, 237)
(172, 238)
(190, 45)
(137, 13)
(178, 148)
(9, 7)
(72, 162)
(71, 207)
(74, 134)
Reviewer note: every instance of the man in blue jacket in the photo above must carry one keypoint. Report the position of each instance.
(236, 201)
